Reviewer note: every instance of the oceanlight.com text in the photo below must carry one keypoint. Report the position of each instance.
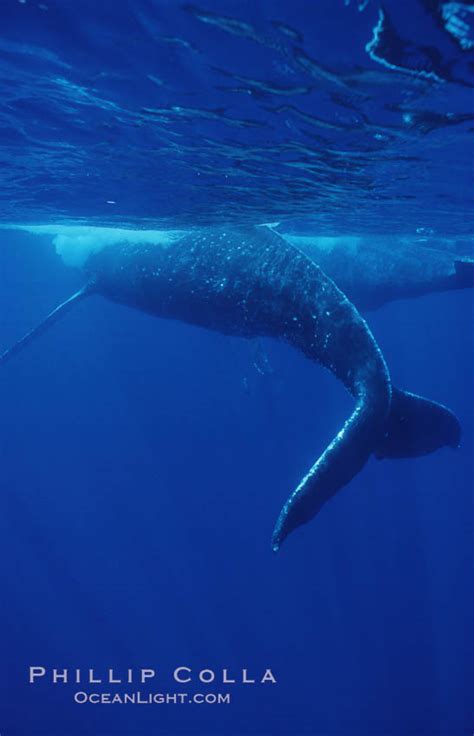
(139, 698)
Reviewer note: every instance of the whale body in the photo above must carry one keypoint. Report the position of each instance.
(251, 282)
(373, 271)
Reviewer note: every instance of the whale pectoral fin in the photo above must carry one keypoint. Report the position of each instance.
(340, 462)
(464, 272)
(45, 324)
(417, 426)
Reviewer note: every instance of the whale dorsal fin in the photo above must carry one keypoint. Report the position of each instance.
(45, 324)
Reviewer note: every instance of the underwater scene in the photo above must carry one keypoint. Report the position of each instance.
(236, 357)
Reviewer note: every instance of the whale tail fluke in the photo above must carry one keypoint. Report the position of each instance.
(417, 426)
(46, 323)
(414, 426)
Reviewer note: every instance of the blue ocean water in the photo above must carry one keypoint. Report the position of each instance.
(144, 461)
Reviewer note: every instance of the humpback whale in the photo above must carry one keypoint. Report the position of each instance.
(251, 282)
(372, 270)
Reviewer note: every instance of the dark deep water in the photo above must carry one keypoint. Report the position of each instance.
(143, 462)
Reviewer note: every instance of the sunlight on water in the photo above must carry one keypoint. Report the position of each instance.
(202, 115)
